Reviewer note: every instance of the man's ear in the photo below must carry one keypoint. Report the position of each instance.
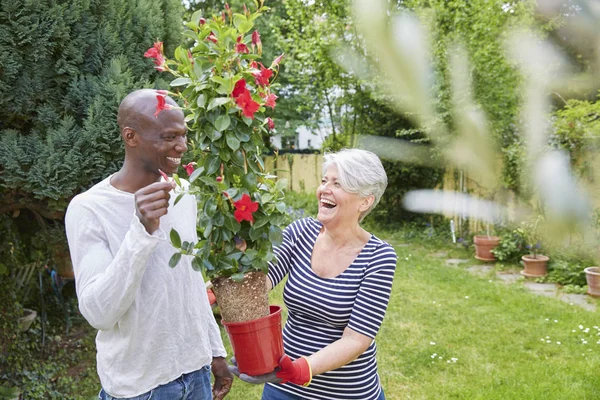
(129, 136)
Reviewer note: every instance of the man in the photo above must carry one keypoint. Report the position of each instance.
(157, 336)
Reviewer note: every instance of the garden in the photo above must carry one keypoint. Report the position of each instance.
(484, 113)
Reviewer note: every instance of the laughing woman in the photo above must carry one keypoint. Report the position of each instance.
(339, 282)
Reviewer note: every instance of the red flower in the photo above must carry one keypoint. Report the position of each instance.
(270, 123)
(254, 65)
(256, 41)
(262, 77)
(219, 179)
(162, 104)
(270, 100)
(212, 37)
(189, 168)
(202, 21)
(248, 106)
(239, 88)
(244, 209)
(241, 47)
(156, 52)
(162, 92)
(277, 61)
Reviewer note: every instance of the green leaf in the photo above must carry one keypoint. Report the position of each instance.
(179, 197)
(175, 239)
(181, 82)
(212, 164)
(196, 174)
(249, 181)
(233, 142)
(208, 265)
(281, 207)
(261, 222)
(201, 100)
(232, 224)
(281, 184)
(239, 277)
(241, 23)
(217, 101)
(247, 121)
(222, 122)
(275, 235)
(176, 179)
(197, 264)
(243, 137)
(218, 220)
(174, 260)
(254, 233)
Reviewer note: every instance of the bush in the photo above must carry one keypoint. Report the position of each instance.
(511, 247)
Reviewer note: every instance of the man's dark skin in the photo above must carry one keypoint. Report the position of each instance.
(153, 143)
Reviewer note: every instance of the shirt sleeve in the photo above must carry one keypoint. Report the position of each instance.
(106, 284)
(283, 255)
(374, 292)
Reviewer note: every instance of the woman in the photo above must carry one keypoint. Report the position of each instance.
(337, 292)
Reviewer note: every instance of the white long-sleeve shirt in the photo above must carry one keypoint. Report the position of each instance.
(154, 322)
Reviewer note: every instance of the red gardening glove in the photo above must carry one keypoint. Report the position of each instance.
(297, 371)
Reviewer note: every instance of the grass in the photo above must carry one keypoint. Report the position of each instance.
(451, 335)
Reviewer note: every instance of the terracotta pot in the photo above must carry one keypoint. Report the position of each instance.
(27, 319)
(242, 301)
(258, 344)
(592, 276)
(535, 267)
(484, 245)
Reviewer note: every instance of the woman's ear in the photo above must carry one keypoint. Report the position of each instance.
(366, 203)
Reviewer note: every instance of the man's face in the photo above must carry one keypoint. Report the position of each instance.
(162, 142)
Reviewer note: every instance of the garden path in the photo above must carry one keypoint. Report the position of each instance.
(543, 289)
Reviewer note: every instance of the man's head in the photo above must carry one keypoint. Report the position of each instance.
(152, 141)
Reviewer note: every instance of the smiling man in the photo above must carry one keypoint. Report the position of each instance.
(157, 336)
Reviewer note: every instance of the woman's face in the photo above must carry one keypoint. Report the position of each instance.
(336, 206)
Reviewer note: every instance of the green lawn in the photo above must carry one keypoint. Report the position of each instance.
(451, 335)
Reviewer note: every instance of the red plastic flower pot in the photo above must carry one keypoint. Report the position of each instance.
(257, 344)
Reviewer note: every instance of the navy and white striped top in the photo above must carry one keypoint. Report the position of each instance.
(320, 309)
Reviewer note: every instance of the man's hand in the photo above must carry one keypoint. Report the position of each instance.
(151, 203)
(223, 378)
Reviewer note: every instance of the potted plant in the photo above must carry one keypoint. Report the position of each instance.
(484, 244)
(592, 277)
(226, 92)
(535, 265)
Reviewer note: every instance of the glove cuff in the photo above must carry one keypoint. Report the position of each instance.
(305, 371)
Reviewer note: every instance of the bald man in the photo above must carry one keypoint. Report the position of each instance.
(157, 335)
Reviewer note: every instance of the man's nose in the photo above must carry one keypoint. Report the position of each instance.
(181, 144)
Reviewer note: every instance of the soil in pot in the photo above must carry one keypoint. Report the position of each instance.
(242, 301)
(592, 276)
(535, 267)
(484, 245)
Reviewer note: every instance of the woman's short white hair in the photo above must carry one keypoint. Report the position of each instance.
(359, 171)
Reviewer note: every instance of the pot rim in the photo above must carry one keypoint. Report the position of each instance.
(592, 270)
(538, 258)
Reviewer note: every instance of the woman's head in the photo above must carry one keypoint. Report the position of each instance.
(359, 171)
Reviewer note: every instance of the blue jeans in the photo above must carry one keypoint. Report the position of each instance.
(272, 393)
(193, 386)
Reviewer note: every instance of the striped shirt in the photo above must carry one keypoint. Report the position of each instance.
(320, 309)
